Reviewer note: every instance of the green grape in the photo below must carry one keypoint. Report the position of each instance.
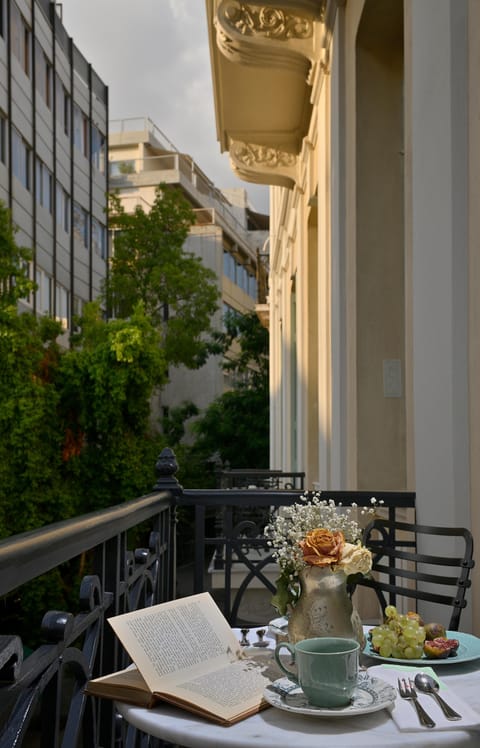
(400, 636)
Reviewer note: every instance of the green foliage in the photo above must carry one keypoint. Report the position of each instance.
(173, 425)
(235, 426)
(251, 340)
(31, 489)
(149, 265)
(106, 382)
(14, 279)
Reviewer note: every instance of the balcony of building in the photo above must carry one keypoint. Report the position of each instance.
(128, 558)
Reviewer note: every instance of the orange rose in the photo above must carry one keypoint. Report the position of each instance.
(322, 547)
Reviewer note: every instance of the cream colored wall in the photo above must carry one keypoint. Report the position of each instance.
(474, 285)
(379, 261)
(437, 217)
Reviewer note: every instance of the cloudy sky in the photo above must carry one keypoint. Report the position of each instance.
(154, 57)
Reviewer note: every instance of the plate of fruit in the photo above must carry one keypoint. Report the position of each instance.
(404, 637)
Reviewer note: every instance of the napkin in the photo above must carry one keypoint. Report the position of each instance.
(404, 714)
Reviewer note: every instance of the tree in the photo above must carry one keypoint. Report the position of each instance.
(15, 283)
(235, 426)
(106, 381)
(150, 265)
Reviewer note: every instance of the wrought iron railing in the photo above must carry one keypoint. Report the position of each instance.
(251, 478)
(42, 704)
(232, 557)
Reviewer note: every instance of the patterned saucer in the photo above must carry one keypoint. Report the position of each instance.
(370, 695)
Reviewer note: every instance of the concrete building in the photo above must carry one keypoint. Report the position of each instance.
(227, 235)
(53, 140)
(364, 116)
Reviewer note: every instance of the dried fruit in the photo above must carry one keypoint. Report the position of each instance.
(440, 648)
(435, 630)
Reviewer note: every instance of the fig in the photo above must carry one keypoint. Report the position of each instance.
(434, 631)
(440, 648)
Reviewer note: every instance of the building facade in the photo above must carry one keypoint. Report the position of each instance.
(364, 116)
(53, 140)
(227, 235)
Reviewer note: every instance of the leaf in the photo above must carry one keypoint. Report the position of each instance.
(283, 596)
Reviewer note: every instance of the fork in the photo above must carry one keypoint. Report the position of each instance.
(407, 691)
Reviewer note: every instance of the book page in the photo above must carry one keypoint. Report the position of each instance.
(233, 689)
(177, 637)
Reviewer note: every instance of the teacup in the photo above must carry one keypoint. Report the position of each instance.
(326, 668)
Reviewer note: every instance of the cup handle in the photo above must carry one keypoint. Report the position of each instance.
(291, 649)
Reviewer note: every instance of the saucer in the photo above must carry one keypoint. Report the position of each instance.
(370, 695)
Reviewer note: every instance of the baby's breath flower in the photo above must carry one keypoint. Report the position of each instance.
(287, 531)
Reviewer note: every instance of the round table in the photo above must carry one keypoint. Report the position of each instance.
(274, 728)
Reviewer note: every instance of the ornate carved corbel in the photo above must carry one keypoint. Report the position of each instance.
(264, 35)
(263, 164)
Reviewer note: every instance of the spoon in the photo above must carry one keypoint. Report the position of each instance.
(428, 685)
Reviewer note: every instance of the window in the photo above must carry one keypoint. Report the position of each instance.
(81, 224)
(241, 276)
(44, 185)
(252, 286)
(229, 266)
(3, 25)
(21, 156)
(43, 294)
(3, 138)
(122, 167)
(62, 306)
(63, 208)
(21, 39)
(98, 238)
(64, 102)
(98, 149)
(77, 306)
(80, 130)
(43, 75)
(28, 299)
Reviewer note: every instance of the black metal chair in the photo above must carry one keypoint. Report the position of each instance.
(399, 571)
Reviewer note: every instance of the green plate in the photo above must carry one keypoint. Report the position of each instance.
(469, 649)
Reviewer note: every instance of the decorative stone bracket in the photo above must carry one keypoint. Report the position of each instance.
(263, 164)
(277, 34)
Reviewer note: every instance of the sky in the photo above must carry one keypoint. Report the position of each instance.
(153, 55)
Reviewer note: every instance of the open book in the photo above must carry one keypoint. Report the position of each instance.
(186, 653)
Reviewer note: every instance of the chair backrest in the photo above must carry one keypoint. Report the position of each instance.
(400, 571)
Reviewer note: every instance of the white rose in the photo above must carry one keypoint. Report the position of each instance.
(356, 559)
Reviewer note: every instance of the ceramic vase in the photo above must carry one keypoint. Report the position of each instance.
(324, 607)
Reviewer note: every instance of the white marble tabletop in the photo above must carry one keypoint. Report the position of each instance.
(275, 728)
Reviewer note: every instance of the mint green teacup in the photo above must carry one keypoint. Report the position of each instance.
(326, 668)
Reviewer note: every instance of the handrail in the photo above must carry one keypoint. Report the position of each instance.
(31, 554)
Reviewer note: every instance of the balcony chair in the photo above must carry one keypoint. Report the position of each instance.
(399, 571)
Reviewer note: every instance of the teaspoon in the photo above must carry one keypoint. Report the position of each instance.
(428, 685)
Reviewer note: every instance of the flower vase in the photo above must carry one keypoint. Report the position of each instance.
(324, 607)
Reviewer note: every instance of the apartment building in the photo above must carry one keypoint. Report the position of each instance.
(53, 141)
(228, 235)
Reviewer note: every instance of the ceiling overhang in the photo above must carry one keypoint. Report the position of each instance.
(262, 58)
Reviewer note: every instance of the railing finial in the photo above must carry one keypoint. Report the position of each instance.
(166, 467)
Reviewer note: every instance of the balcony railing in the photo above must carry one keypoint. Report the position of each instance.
(42, 703)
(132, 172)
